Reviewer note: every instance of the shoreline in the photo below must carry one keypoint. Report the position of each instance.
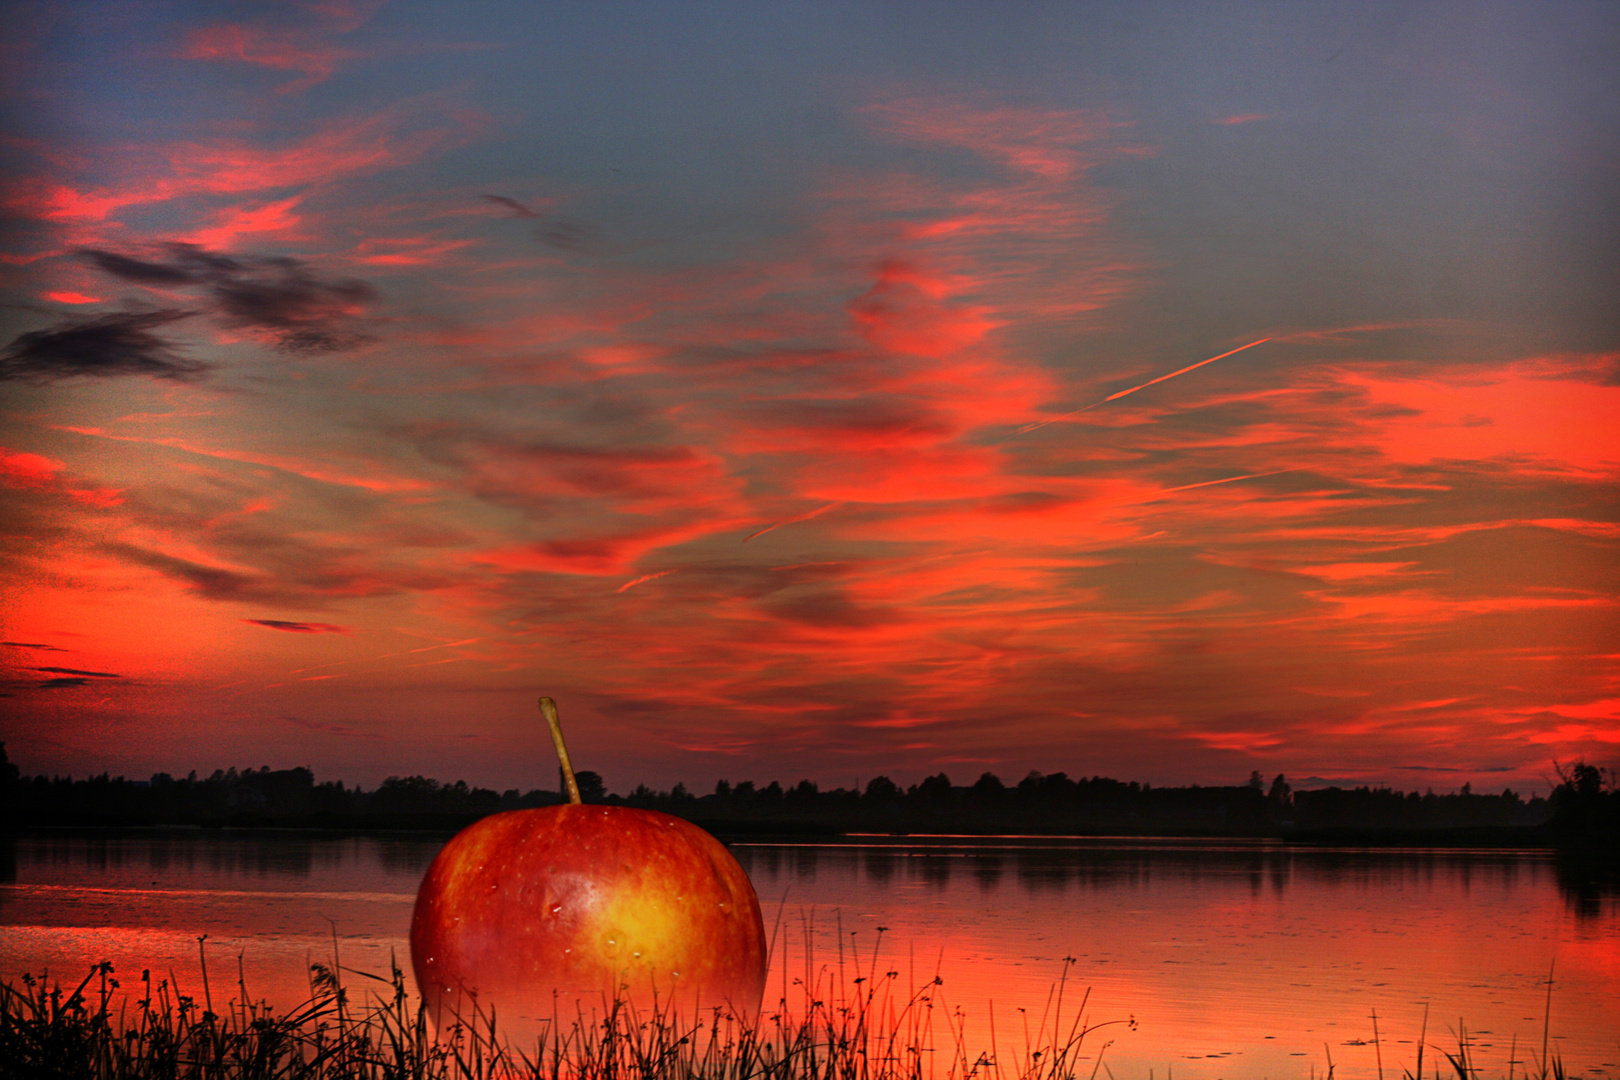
(1481, 838)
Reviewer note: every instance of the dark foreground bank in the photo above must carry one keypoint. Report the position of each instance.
(870, 1029)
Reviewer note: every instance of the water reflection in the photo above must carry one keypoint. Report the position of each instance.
(987, 871)
(1588, 881)
(1208, 943)
(878, 864)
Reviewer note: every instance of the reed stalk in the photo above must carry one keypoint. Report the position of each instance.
(855, 1020)
(869, 1028)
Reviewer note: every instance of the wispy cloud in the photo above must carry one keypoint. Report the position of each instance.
(301, 40)
(789, 494)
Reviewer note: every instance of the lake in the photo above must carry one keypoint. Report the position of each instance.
(1235, 958)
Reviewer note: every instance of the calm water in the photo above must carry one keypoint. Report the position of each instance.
(1235, 959)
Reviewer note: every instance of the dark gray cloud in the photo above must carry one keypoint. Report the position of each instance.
(304, 313)
(280, 296)
(32, 645)
(76, 671)
(517, 208)
(563, 235)
(146, 273)
(299, 627)
(125, 343)
(209, 581)
(328, 728)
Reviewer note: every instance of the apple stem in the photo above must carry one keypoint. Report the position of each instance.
(549, 709)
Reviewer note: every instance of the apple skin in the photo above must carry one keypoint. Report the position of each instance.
(538, 912)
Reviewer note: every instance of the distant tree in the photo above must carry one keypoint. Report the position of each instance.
(591, 787)
(1256, 781)
(9, 776)
(1582, 780)
(1279, 791)
(882, 790)
(398, 794)
(1581, 806)
(989, 788)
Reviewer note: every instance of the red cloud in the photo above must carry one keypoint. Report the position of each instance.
(569, 454)
(906, 312)
(28, 470)
(1050, 144)
(301, 46)
(343, 148)
(35, 471)
(285, 50)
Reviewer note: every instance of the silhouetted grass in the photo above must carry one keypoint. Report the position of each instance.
(851, 1022)
(864, 1027)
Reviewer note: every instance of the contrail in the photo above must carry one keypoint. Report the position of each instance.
(1226, 479)
(642, 578)
(1027, 428)
(789, 521)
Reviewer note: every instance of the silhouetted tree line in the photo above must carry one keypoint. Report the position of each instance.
(1585, 803)
(1056, 803)
(249, 797)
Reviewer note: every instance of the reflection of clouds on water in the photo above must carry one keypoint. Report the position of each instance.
(1254, 952)
(1213, 946)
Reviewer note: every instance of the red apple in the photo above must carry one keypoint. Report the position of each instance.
(539, 911)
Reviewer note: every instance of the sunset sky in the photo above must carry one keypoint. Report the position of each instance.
(782, 388)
